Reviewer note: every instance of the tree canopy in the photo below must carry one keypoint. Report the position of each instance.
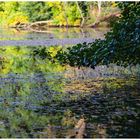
(62, 13)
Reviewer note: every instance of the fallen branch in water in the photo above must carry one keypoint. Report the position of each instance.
(37, 26)
(107, 18)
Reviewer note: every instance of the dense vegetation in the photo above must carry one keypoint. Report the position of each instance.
(60, 13)
(121, 45)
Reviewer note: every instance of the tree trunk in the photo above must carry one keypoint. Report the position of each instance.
(99, 12)
(99, 8)
(107, 18)
(83, 19)
(64, 10)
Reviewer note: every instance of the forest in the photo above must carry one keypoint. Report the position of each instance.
(69, 69)
(56, 13)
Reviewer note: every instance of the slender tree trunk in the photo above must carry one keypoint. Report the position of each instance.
(64, 10)
(97, 20)
(99, 8)
(83, 19)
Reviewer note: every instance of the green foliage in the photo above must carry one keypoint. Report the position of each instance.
(84, 7)
(36, 11)
(73, 19)
(121, 45)
(10, 14)
(61, 13)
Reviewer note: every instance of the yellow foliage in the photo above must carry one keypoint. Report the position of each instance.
(7, 66)
(54, 50)
(60, 18)
(77, 22)
(2, 17)
(17, 18)
(114, 4)
(15, 52)
(54, 3)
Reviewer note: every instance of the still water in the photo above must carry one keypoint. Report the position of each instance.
(38, 97)
(53, 36)
(53, 33)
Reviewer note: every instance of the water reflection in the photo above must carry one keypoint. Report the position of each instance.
(39, 97)
(27, 80)
(53, 33)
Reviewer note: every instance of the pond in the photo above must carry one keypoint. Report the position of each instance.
(39, 97)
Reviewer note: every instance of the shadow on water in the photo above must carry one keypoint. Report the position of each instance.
(112, 114)
(39, 97)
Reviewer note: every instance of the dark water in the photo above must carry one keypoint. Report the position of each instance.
(43, 99)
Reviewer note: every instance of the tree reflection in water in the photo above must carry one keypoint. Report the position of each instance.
(39, 97)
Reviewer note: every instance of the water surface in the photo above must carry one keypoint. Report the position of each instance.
(53, 36)
(39, 96)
